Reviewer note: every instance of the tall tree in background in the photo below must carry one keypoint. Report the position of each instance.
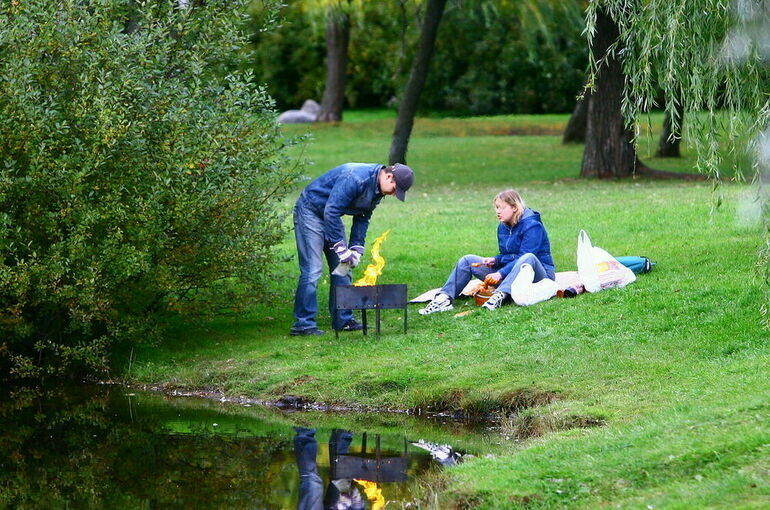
(337, 16)
(610, 151)
(407, 108)
(337, 38)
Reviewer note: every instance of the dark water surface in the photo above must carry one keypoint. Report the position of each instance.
(112, 447)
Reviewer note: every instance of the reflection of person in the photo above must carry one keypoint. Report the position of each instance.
(522, 240)
(355, 189)
(341, 494)
(310, 483)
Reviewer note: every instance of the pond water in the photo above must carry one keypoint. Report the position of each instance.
(113, 447)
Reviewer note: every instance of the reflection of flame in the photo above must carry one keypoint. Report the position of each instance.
(373, 492)
(374, 270)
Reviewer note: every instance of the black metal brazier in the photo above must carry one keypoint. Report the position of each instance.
(371, 297)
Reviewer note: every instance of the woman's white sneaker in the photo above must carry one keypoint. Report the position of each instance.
(440, 303)
(495, 300)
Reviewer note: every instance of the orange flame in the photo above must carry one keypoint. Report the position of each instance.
(374, 270)
(373, 493)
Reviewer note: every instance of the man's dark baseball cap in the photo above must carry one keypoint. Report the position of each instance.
(404, 178)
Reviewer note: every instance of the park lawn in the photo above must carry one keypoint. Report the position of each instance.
(653, 395)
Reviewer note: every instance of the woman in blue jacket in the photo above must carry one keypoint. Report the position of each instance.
(522, 239)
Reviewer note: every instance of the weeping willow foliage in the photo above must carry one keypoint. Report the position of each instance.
(711, 56)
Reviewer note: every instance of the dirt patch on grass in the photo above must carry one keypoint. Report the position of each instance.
(466, 501)
(458, 403)
(521, 413)
(525, 398)
(529, 425)
(448, 402)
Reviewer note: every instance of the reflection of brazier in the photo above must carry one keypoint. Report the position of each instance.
(371, 297)
(372, 466)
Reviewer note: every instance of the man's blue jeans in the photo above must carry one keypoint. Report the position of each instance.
(464, 271)
(311, 249)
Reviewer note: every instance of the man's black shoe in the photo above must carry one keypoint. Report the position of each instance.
(352, 325)
(307, 332)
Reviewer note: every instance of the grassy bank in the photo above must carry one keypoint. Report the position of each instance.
(657, 394)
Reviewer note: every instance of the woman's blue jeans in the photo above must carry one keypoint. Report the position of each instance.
(464, 272)
(311, 250)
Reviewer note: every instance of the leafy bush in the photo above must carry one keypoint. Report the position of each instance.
(137, 179)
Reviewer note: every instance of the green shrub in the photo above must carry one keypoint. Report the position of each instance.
(137, 178)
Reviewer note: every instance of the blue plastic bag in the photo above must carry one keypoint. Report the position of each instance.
(638, 265)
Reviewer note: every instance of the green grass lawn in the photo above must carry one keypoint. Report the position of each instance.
(674, 368)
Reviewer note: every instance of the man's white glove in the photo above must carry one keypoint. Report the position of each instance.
(345, 254)
(358, 252)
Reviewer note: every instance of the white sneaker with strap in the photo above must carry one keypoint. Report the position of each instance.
(495, 300)
(440, 303)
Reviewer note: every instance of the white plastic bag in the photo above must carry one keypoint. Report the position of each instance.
(526, 293)
(585, 263)
(598, 269)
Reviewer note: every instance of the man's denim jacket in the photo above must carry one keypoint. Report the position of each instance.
(351, 189)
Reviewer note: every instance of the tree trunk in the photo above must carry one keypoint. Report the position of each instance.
(575, 132)
(609, 151)
(337, 37)
(668, 145)
(407, 108)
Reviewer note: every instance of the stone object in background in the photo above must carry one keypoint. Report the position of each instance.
(308, 113)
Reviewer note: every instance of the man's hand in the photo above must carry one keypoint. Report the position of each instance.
(346, 255)
(488, 261)
(493, 278)
(358, 252)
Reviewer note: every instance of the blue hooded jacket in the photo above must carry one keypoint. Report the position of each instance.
(527, 236)
(351, 189)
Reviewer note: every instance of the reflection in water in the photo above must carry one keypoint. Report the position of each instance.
(347, 470)
(444, 454)
(341, 494)
(107, 448)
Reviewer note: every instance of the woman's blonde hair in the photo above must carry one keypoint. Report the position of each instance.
(512, 198)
